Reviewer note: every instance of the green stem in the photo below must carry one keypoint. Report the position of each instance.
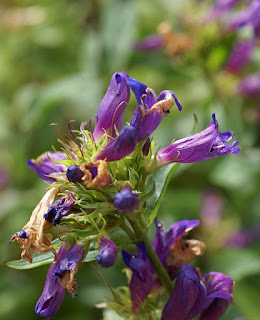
(127, 230)
(158, 267)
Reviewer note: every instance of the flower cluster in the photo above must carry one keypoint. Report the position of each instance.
(100, 182)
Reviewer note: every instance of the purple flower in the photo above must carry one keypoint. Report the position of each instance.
(120, 147)
(45, 167)
(220, 7)
(240, 56)
(250, 85)
(250, 16)
(148, 115)
(67, 268)
(184, 295)
(126, 201)
(60, 209)
(108, 253)
(74, 174)
(193, 295)
(170, 248)
(150, 43)
(202, 146)
(141, 282)
(112, 106)
(150, 109)
(53, 292)
(212, 206)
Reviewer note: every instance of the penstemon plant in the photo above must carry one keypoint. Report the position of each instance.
(113, 179)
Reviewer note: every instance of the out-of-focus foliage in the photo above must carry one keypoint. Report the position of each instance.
(56, 60)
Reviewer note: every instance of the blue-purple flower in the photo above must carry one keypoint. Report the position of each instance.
(193, 295)
(60, 209)
(120, 147)
(68, 266)
(150, 43)
(112, 106)
(141, 282)
(47, 169)
(250, 85)
(172, 250)
(74, 174)
(108, 253)
(249, 16)
(53, 292)
(240, 55)
(202, 146)
(148, 115)
(126, 200)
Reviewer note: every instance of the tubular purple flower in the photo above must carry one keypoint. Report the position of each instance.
(112, 106)
(120, 147)
(53, 292)
(240, 56)
(45, 167)
(184, 295)
(60, 209)
(150, 43)
(250, 85)
(141, 282)
(220, 7)
(126, 201)
(108, 253)
(194, 295)
(150, 110)
(74, 174)
(202, 146)
(169, 247)
(67, 268)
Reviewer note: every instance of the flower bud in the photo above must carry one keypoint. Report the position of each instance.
(126, 201)
(108, 253)
(74, 174)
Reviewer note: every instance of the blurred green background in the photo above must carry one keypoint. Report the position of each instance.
(56, 60)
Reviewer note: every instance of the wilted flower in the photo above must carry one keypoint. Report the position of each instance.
(68, 266)
(36, 241)
(108, 253)
(126, 201)
(141, 282)
(193, 295)
(112, 106)
(95, 173)
(202, 146)
(47, 169)
(172, 250)
(250, 85)
(60, 209)
(53, 292)
(240, 56)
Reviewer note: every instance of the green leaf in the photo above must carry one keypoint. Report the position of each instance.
(161, 179)
(38, 260)
(91, 256)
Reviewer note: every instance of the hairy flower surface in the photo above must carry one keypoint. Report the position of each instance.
(47, 169)
(202, 146)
